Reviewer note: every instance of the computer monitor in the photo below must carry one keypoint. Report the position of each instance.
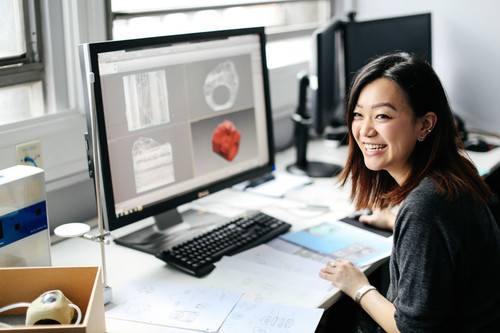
(342, 47)
(324, 75)
(365, 40)
(174, 119)
(320, 87)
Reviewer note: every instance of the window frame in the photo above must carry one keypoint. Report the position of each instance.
(28, 67)
(276, 35)
(63, 25)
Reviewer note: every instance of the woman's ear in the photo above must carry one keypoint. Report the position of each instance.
(427, 124)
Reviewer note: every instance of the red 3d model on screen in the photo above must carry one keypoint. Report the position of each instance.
(226, 140)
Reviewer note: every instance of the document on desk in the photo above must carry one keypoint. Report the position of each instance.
(174, 305)
(281, 266)
(251, 317)
(340, 240)
(282, 275)
(280, 185)
(270, 276)
(264, 288)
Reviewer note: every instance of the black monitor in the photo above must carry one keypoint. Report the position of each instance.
(366, 40)
(321, 87)
(174, 119)
(342, 47)
(324, 76)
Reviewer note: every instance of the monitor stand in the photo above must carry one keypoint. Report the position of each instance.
(302, 123)
(170, 228)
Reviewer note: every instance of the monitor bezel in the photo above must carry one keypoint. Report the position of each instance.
(89, 63)
(325, 67)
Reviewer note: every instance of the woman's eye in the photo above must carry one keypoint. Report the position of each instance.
(356, 114)
(383, 116)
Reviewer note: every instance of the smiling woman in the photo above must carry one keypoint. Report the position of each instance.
(385, 128)
(404, 149)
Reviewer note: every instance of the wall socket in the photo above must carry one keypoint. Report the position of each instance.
(30, 150)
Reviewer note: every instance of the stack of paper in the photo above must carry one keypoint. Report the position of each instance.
(174, 305)
(185, 308)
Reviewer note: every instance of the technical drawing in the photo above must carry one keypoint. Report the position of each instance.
(153, 164)
(146, 99)
(254, 317)
(173, 305)
(136, 305)
(354, 252)
(222, 76)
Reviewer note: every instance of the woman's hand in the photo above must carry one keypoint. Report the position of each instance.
(345, 276)
(380, 218)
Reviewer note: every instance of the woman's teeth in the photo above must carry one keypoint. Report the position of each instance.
(372, 147)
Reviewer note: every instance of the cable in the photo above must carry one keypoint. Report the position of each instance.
(10, 307)
(78, 311)
(15, 306)
(31, 160)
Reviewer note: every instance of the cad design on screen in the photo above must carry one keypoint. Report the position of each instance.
(177, 118)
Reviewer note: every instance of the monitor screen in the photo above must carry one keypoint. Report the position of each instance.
(367, 39)
(177, 117)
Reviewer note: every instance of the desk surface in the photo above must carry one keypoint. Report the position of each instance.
(124, 264)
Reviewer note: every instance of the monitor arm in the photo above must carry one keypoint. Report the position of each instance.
(302, 123)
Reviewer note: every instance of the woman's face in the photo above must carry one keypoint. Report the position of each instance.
(385, 128)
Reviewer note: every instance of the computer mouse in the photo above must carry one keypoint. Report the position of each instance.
(476, 144)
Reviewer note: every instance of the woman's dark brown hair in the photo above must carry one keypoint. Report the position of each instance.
(440, 156)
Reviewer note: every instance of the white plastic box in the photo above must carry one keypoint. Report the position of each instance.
(24, 228)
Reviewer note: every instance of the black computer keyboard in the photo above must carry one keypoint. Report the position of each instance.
(197, 256)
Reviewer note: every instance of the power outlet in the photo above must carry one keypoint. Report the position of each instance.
(30, 153)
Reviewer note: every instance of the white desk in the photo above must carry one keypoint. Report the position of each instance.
(125, 264)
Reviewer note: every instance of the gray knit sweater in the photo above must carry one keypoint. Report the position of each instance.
(445, 264)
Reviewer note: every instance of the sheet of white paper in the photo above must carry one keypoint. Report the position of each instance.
(263, 259)
(314, 283)
(322, 195)
(175, 305)
(262, 288)
(280, 185)
(251, 317)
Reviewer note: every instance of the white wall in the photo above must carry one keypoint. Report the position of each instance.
(466, 51)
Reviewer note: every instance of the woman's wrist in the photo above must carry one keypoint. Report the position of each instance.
(362, 292)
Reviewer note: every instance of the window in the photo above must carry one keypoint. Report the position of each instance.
(21, 67)
(135, 19)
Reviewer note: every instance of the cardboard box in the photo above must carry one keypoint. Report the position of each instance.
(81, 285)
